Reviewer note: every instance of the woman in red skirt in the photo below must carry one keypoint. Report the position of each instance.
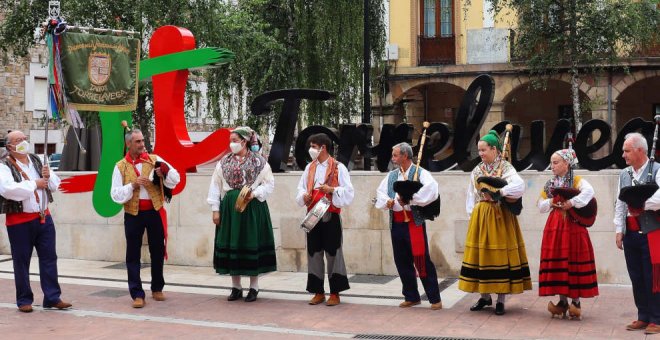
(567, 264)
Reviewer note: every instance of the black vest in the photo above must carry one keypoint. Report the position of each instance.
(648, 221)
(9, 206)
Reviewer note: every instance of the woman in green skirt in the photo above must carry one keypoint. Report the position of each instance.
(244, 242)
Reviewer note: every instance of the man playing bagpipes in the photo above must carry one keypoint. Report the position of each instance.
(26, 188)
(403, 196)
(567, 267)
(495, 260)
(325, 177)
(143, 202)
(638, 229)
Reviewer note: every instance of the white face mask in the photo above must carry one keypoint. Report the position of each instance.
(23, 147)
(235, 147)
(314, 153)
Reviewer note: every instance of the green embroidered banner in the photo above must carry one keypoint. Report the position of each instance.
(100, 71)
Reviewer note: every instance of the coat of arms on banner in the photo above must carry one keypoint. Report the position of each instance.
(99, 67)
(100, 71)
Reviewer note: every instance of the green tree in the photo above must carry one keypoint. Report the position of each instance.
(295, 44)
(278, 44)
(582, 37)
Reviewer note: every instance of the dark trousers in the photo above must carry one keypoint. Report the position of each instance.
(403, 259)
(638, 260)
(326, 238)
(22, 239)
(134, 227)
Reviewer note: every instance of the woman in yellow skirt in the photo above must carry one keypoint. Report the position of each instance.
(495, 260)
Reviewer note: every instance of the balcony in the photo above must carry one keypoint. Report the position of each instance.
(436, 50)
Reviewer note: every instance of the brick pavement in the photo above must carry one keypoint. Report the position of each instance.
(102, 311)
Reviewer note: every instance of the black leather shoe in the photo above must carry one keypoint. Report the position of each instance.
(252, 295)
(235, 294)
(481, 304)
(499, 309)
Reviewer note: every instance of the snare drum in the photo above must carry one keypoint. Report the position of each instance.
(315, 214)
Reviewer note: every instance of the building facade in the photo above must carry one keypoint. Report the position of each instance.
(23, 100)
(437, 47)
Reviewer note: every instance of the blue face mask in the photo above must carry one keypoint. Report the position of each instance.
(254, 148)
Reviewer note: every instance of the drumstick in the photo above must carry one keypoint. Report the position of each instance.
(312, 200)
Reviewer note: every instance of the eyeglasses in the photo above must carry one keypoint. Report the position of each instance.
(19, 140)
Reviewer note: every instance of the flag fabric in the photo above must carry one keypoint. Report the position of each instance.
(100, 71)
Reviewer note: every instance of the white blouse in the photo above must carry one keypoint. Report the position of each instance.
(514, 189)
(219, 186)
(579, 201)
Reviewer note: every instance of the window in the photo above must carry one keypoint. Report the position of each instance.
(193, 104)
(40, 93)
(196, 104)
(437, 16)
(429, 18)
(656, 109)
(39, 148)
(446, 29)
(489, 15)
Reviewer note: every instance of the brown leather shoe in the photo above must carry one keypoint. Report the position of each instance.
(60, 305)
(406, 304)
(318, 298)
(138, 302)
(158, 296)
(559, 309)
(637, 325)
(652, 329)
(436, 306)
(333, 300)
(25, 308)
(575, 311)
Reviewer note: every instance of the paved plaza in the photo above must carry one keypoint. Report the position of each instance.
(196, 308)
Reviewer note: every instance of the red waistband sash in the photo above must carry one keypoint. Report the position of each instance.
(654, 248)
(316, 196)
(417, 242)
(653, 238)
(23, 217)
(632, 224)
(148, 205)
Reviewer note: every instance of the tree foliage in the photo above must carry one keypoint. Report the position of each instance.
(296, 44)
(278, 44)
(579, 36)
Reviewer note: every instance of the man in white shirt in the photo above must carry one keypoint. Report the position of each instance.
(325, 177)
(143, 209)
(408, 230)
(25, 190)
(637, 233)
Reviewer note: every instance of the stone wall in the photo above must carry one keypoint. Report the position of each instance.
(12, 97)
(13, 115)
(82, 234)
